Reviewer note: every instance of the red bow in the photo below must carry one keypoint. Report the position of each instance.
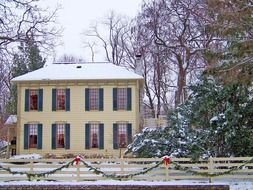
(77, 160)
(166, 160)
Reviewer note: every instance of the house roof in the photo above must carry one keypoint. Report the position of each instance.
(12, 119)
(81, 71)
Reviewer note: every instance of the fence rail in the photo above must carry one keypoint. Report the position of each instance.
(126, 167)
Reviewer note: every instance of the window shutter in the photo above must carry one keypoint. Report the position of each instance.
(87, 136)
(26, 136)
(53, 99)
(67, 136)
(101, 136)
(40, 100)
(40, 132)
(101, 99)
(67, 99)
(27, 97)
(129, 99)
(53, 136)
(115, 136)
(115, 105)
(129, 133)
(87, 99)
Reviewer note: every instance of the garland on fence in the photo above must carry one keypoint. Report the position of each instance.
(38, 174)
(206, 174)
(120, 176)
(98, 171)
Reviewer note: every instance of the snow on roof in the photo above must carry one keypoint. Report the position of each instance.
(83, 71)
(12, 119)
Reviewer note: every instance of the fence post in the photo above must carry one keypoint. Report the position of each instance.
(210, 168)
(122, 165)
(78, 172)
(167, 172)
(31, 166)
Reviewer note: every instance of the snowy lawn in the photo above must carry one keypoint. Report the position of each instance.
(234, 184)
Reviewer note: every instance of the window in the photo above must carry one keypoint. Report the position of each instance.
(33, 136)
(33, 99)
(94, 135)
(60, 136)
(94, 99)
(122, 135)
(122, 99)
(61, 98)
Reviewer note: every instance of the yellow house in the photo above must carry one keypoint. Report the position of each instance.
(91, 108)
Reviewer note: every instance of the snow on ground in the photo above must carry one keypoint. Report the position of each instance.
(234, 184)
(27, 156)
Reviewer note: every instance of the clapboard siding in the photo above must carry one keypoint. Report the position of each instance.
(77, 116)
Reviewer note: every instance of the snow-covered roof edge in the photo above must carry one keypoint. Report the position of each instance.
(83, 71)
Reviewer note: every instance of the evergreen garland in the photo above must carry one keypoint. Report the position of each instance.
(98, 171)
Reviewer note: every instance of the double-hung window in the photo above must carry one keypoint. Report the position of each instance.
(122, 135)
(94, 99)
(61, 99)
(33, 136)
(122, 99)
(33, 99)
(61, 135)
(94, 135)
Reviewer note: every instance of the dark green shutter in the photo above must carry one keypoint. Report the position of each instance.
(67, 99)
(53, 99)
(101, 136)
(129, 99)
(67, 136)
(40, 100)
(53, 136)
(40, 132)
(115, 104)
(27, 97)
(87, 136)
(129, 133)
(101, 99)
(115, 136)
(87, 99)
(26, 136)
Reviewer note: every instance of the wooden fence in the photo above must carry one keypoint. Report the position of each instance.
(126, 167)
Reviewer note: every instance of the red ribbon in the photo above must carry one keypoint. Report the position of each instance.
(77, 160)
(166, 160)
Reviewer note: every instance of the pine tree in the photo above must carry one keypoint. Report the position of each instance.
(27, 59)
(215, 121)
(231, 23)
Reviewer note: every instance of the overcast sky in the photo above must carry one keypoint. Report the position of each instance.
(77, 15)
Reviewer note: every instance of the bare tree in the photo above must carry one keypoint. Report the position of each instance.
(20, 21)
(110, 34)
(174, 26)
(69, 59)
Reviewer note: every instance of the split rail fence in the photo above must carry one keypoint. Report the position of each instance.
(127, 166)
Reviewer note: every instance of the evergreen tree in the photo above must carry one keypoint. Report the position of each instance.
(231, 23)
(27, 59)
(215, 121)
